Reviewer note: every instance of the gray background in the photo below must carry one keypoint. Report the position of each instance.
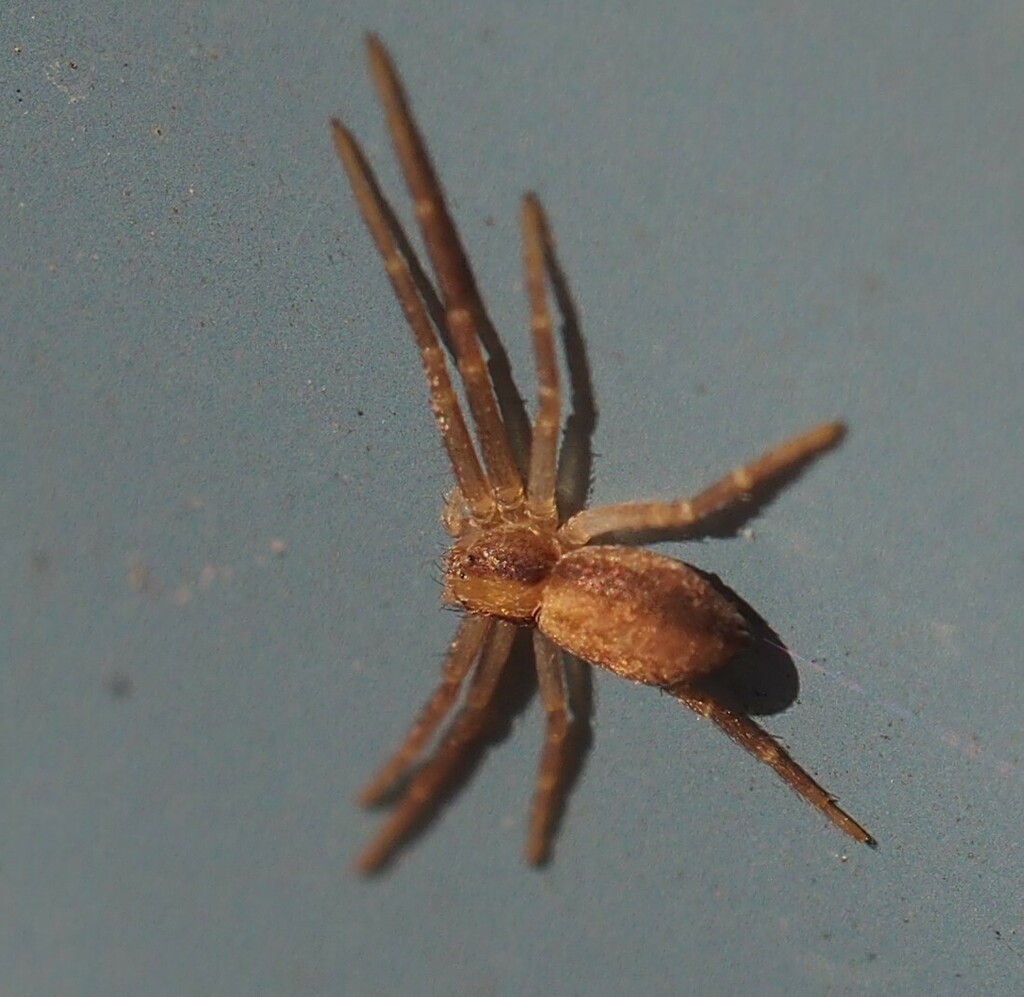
(769, 214)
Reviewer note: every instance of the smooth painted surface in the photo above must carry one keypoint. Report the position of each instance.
(221, 493)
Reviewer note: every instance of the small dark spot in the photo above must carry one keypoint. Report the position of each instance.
(360, 412)
(119, 685)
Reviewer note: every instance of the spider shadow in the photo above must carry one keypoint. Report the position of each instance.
(762, 679)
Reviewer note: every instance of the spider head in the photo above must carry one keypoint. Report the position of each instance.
(500, 572)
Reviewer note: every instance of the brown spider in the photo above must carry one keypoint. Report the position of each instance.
(513, 562)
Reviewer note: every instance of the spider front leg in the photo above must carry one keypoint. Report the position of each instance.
(540, 491)
(463, 306)
(740, 482)
(388, 236)
(754, 739)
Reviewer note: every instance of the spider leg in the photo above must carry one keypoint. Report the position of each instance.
(540, 492)
(469, 638)
(740, 482)
(463, 307)
(754, 739)
(447, 413)
(453, 515)
(425, 786)
(551, 771)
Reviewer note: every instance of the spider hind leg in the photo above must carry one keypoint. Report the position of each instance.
(462, 653)
(428, 783)
(759, 743)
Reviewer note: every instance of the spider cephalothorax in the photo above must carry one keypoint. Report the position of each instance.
(514, 564)
(502, 571)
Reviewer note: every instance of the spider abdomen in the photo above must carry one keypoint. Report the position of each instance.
(645, 617)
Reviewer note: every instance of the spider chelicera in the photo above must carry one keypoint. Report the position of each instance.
(514, 562)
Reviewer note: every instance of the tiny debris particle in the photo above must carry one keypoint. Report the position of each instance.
(140, 579)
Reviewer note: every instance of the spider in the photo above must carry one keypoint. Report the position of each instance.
(514, 563)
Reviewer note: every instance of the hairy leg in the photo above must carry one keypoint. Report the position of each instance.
(443, 401)
(464, 649)
(551, 770)
(463, 306)
(754, 739)
(426, 785)
(638, 516)
(540, 492)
